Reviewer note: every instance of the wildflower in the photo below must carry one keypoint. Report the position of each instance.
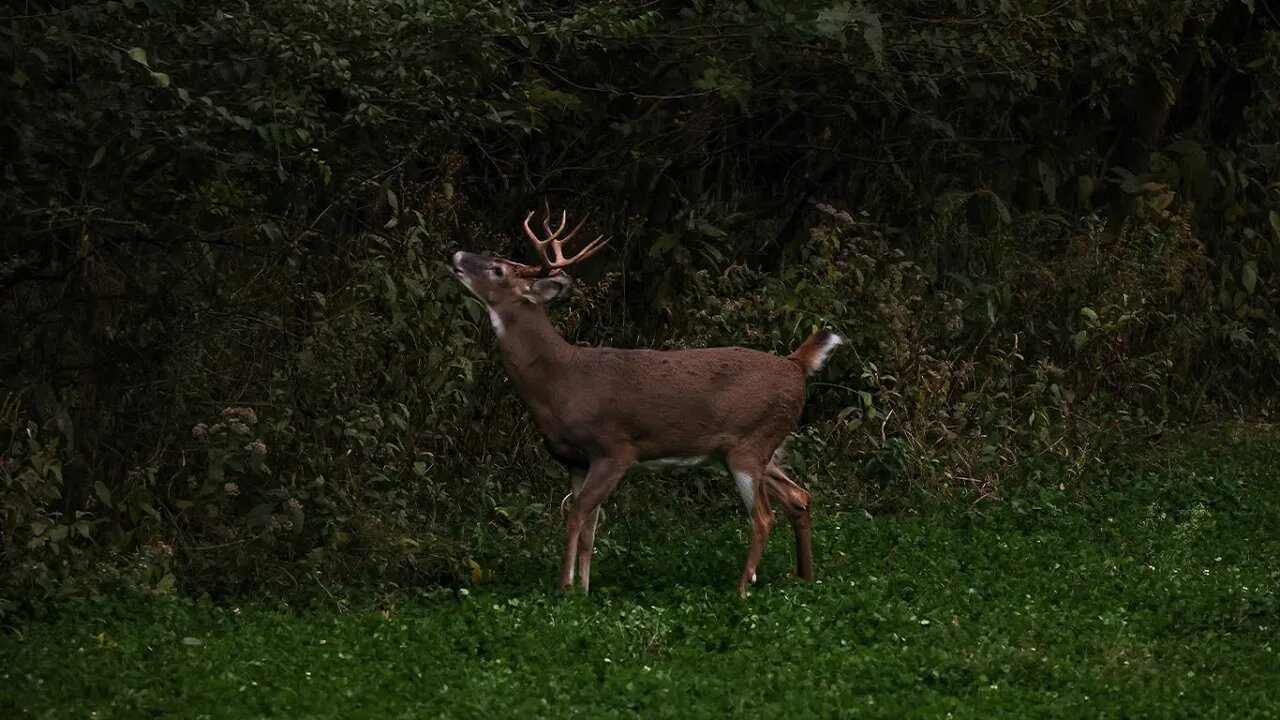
(244, 415)
(200, 431)
(231, 489)
(257, 447)
(293, 504)
(238, 427)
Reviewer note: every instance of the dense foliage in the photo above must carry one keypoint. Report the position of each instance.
(234, 357)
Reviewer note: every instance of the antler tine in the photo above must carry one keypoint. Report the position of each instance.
(557, 243)
(564, 219)
(546, 220)
(586, 252)
(538, 245)
(572, 232)
(529, 231)
(592, 248)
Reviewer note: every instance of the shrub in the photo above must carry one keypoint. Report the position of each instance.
(1044, 229)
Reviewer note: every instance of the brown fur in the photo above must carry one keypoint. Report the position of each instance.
(601, 410)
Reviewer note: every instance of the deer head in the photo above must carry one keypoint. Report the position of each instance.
(498, 282)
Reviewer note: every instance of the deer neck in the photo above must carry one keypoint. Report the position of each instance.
(532, 349)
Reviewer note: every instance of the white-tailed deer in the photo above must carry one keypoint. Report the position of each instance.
(603, 410)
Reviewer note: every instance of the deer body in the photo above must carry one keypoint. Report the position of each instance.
(602, 411)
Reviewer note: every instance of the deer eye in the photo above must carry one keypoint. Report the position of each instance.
(497, 271)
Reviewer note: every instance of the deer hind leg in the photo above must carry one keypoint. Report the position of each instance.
(749, 476)
(795, 502)
(589, 492)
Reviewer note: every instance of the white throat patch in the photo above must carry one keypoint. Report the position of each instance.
(497, 322)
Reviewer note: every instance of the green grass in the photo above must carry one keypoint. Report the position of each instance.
(1154, 597)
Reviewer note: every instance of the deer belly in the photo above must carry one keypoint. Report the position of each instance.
(667, 462)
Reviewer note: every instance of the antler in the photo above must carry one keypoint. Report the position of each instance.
(557, 243)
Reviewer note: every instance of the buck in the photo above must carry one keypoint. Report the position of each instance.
(604, 410)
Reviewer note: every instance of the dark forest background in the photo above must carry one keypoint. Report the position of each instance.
(231, 357)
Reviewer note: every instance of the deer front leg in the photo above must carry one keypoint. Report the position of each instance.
(587, 536)
(751, 484)
(586, 544)
(600, 480)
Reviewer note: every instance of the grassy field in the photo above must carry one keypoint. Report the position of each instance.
(1156, 596)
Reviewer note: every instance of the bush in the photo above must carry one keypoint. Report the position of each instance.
(1041, 242)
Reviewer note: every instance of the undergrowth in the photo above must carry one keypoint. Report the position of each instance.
(234, 361)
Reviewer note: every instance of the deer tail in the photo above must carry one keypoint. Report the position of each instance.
(812, 353)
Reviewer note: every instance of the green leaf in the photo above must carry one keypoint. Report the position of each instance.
(139, 56)
(162, 79)
(97, 157)
(1048, 180)
(665, 243)
(102, 492)
(1089, 314)
(18, 78)
(1249, 276)
(832, 21)
(1084, 188)
(271, 230)
(1275, 222)
(708, 229)
(873, 34)
(259, 514)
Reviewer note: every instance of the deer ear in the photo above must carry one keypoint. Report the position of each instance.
(544, 290)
